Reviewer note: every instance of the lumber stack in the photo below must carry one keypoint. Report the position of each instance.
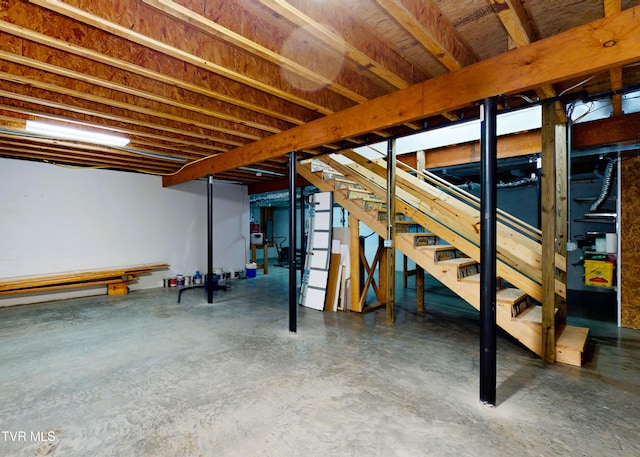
(116, 280)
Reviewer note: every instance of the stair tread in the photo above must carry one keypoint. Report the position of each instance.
(474, 278)
(471, 278)
(573, 338)
(441, 247)
(458, 261)
(510, 295)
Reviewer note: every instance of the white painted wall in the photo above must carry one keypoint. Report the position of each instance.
(55, 219)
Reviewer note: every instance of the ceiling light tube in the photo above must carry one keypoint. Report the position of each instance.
(70, 133)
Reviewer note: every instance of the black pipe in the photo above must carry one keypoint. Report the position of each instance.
(293, 286)
(488, 271)
(210, 238)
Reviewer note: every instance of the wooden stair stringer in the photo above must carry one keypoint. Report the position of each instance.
(528, 335)
(527, 332)
(522, 281)
(512, 249)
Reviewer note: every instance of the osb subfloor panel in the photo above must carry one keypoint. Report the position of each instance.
(630, 243)
(141, 375)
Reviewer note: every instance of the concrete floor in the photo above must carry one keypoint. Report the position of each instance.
(142, 375)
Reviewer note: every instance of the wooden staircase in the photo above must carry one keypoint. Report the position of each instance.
(440, 232)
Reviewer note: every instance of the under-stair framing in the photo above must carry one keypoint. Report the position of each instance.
(451, 217)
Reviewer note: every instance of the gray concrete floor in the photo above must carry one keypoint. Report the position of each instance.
(142, 375)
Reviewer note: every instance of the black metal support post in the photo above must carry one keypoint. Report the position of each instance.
(293, 286)
(389, 244)
(303, 238)
(488, 253)
(210, 238)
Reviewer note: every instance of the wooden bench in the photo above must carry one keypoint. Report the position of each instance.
(116, 280)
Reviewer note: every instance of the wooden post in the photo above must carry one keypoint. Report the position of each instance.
(562, 183)
(354, 258)
(383, 273)
(419, 289)
(421, 162)
(405, 273)
(548, 206)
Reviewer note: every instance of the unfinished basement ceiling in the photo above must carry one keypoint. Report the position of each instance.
(186, 80)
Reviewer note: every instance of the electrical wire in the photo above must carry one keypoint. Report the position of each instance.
(140, 170)
(569, 89)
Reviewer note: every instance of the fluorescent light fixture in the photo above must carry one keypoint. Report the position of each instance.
(70, 133)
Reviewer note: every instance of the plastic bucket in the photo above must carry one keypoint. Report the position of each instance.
(251, 270)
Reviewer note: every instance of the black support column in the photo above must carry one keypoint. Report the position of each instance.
(488, 253)
(293, 286)
(303, 244)
(210, 238)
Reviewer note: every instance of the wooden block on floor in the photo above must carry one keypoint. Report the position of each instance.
(570, 345)
(118, 288)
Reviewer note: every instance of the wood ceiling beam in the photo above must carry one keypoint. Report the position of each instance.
(426, 23)
(42, 101)
(178, 146)
(66, 150)
(86, 96)
(72, 76)
(243, 68)
(58, 158)
(516, 21)
(274, 107)
(303, 70)
(518, 145)
(522, 31)
(354, 40)
(351, 38)
(600, 45)
(615, 74)
(610, 131)
(615, 130)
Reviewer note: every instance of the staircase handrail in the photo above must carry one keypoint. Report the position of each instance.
(514, 222)
(512, 244)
